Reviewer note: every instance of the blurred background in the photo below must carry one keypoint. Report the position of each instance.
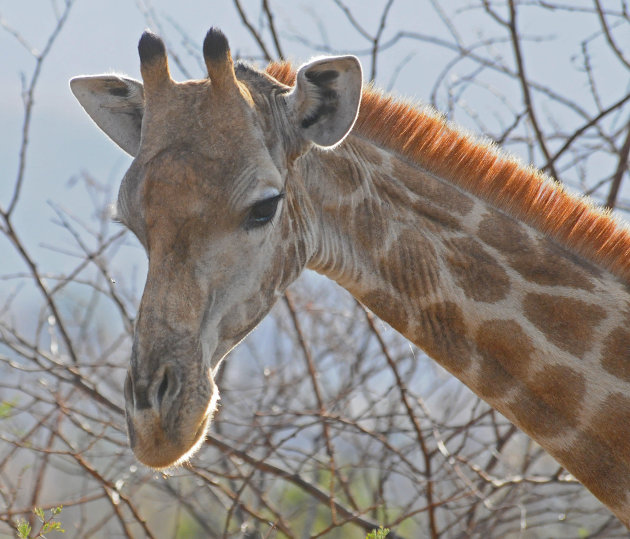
(315, 437)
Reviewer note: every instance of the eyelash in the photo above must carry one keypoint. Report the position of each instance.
(262, 212)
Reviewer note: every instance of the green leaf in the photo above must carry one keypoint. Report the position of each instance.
(23, 529)
(52, 527)
(40, 513)
(381, 533)
(6, 407)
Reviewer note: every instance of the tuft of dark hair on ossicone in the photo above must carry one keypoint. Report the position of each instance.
(215, 45)
(150, 46)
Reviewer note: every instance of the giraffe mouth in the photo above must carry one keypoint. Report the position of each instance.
(162, 437)
(157, 447)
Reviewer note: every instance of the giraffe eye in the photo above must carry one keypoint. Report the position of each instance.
(262, 212)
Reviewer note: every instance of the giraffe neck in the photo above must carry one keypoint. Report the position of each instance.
(538, 332)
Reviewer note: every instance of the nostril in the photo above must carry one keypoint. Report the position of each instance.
(163, 387)
(129, 397)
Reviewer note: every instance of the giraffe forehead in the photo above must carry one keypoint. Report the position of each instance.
(203, 151)
(180, 183)
(193, 114)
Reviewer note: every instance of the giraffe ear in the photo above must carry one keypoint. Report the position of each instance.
(324, 102)
(116, 104)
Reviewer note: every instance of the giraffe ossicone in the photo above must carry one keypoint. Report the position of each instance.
(519, 289)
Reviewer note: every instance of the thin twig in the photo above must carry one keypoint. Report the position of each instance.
(377, 38)
(334, 472)
(622, 167)
(295, 479)
(609, 38)
(252, 31)
(402, 387)
(28, 97)
(525, 88)
(273, 30)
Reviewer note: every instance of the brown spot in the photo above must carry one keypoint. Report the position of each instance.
(476, 272)
(433, 217)
(368, 225)
(611, 424)
(443, 335)
(560, 388)
(595, 466)
(341, 172)
(616, 354)
(405, 203)
(566, 322)
(505, 352)
(388, 308)
(410, 266)
(504, 234)
(553, 265)
(535, 417)
(368, 153)
(438, 192)
(548, 400)
(544, 264)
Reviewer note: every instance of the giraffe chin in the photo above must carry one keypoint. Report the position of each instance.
(158, 448)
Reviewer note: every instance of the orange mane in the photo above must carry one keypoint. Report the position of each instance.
(422, 136)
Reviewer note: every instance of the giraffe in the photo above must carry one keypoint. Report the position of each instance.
(243, 179)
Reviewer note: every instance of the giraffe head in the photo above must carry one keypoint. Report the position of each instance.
(210, 196)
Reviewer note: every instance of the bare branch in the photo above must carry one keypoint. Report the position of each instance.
(253, 31)
(28, 97)
(273, 30)
(609, 38)
(622, 167)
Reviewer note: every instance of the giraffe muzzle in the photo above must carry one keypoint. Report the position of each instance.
(168, 414)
